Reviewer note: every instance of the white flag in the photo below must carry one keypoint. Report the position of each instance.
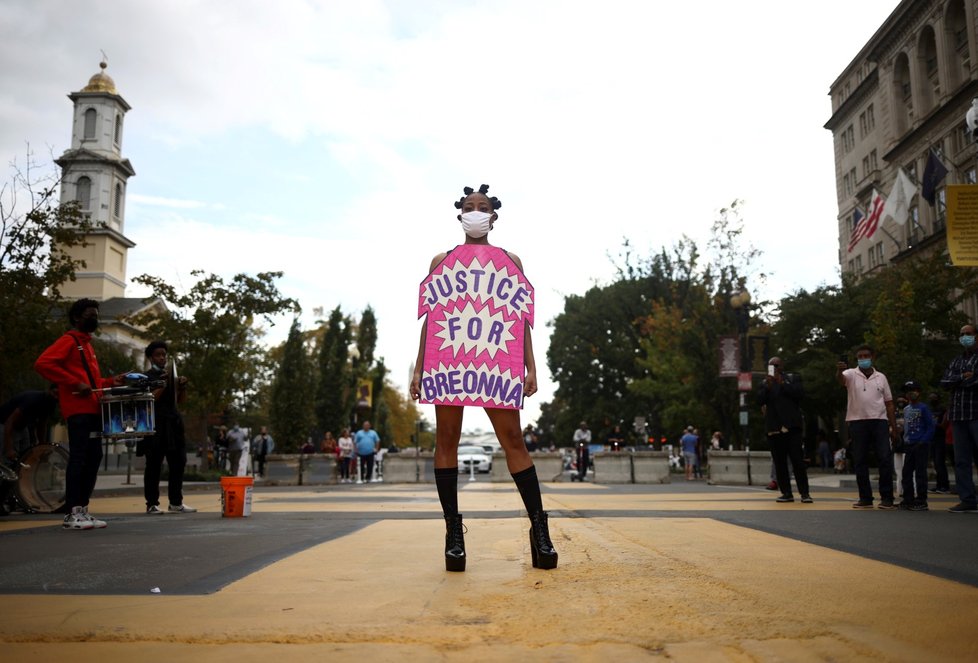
(898, 202)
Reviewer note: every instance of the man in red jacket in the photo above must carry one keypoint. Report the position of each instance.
(70, 363)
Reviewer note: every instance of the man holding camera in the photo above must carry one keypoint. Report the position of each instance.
(779, 396)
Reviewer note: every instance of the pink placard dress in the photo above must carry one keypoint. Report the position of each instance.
(478, 304)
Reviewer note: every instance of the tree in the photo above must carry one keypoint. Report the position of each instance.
(909, 312)
(646, 344)
(333, 403)
(32, 269)
(291, 406)
(400, 416)
(213, 335)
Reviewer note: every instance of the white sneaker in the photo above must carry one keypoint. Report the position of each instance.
(181, 508)
(77, 520)
(154, 510)
(96, 523)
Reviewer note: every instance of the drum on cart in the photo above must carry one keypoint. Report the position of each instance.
(128, 416)
(43, 472)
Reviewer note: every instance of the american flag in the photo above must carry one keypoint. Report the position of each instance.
(866, 227)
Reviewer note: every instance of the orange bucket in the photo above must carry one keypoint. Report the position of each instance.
(236, 496)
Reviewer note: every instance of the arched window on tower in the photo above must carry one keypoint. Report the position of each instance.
(83, 193)
(90, 116)
(118, 129)
(117, 203)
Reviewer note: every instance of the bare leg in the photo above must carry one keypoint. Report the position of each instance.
(448, 431)
(506, 423)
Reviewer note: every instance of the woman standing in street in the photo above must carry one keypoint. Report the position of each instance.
(476, 350)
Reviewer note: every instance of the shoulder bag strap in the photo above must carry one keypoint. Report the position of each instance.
(88, 371)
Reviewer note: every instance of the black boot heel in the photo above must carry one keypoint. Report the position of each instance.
(541, 549)
(454, 544)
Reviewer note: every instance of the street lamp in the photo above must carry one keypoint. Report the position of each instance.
(740, 302)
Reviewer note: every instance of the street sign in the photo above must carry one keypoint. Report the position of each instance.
(744, 381)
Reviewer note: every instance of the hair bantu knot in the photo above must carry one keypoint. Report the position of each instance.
(484, 190)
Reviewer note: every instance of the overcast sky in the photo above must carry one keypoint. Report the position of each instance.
(330, 139)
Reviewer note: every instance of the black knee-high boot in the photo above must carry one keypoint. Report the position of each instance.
(541, 548)
(446, 480)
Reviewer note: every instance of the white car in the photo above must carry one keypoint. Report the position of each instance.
(470, 455)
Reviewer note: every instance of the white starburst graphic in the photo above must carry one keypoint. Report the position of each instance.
(467, 329)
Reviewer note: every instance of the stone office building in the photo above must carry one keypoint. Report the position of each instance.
(903, 96)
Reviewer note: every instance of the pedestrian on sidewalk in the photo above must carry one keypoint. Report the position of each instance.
(872, 424)
(367, 442)
(689, 443)
(918, 429)
(779, 396)
(169, 441)
(345, 450)
(582, 445)
(237, 446)
(70, 363)
(938, 445)
(261, 447)
(961, 378)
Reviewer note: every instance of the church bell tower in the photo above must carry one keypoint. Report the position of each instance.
(95, 174)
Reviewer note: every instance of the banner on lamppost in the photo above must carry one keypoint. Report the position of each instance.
(744, 381)
(962, 224)
(365, 390)
(728, 352)
(758, 352)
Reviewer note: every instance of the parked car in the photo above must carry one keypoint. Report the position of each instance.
(470, 455)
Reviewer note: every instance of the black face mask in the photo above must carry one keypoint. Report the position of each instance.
(88, 325)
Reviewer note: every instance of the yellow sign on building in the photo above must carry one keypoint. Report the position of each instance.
(962, 224)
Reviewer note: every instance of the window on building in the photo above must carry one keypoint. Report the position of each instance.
(878, 249)
(117, 202)
(83, 193)
(962, 139)
(852, 178)
(858, 264)
(90, 117)
(873, 165)
(118, 129)
(970, 176)
(940, 208)
(866, 166)
(851, 137)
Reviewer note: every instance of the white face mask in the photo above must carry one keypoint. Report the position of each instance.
(476, 224)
